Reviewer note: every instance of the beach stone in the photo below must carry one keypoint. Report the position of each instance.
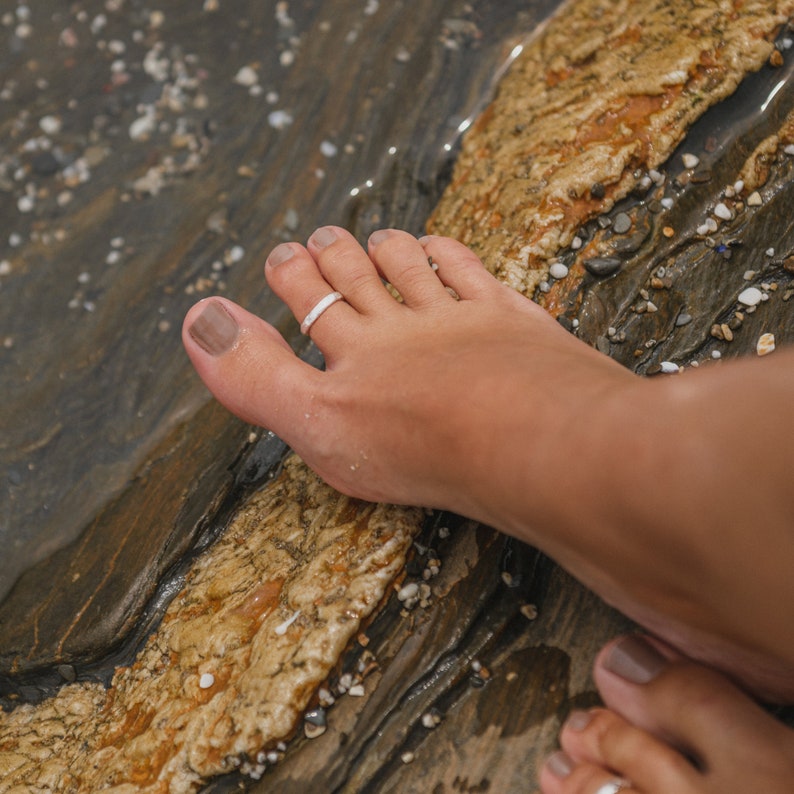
(603, 266)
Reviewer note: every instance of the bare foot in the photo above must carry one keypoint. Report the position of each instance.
(670, 727)
(480, 403)
(395, 370)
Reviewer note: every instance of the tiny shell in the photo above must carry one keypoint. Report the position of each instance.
(765, 345)
(281, 629)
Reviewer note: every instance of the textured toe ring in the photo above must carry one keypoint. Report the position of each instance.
(614, 786)
(329, 300)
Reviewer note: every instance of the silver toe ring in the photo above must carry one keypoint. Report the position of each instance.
(614, 786)
(329, 300)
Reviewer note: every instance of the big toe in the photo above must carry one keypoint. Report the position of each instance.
(246, 364)
(696, 727)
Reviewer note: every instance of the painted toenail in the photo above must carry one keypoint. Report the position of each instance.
(560, 764)
(324, 237)
(376, 238)
(215, 330)
(578, 720)
(635, 660)
(281, 253)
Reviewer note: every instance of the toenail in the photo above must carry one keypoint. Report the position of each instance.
(635, 660)
(578, 720)
(281, 253)
(324, 237)
(560, 764)
(376, 238)
(214, 330)
(427, 239)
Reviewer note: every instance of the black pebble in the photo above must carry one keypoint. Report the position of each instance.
(602, 265)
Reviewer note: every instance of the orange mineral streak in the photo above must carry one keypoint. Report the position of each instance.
(630, 121)
(261, 601)
(145, 771)
(120, 720)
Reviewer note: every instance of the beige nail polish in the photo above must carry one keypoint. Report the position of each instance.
(560, 764)
(324, 237)
(578, 720)
(635, 660)
(281, 253)
(214, 330)
(376, 238)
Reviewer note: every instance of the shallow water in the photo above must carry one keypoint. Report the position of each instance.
(141, 169)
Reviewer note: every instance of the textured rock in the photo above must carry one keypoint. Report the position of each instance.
(266, 612)
(604, 94)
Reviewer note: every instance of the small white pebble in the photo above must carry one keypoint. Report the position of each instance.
(770, 252)
(235, 254)
(723, 212)
(715, 354)
(669, 367)
(702, 230)
(789, 149)
(206, 680)
(667, 203)
(246, 76)
(5, 267)
(407, 757)
(751, 296)
(328, 149)
(576, 243)
(50, 125)
(738, 185)
(356, 691)
(749, 275)
(279, 119)
(754, 199)
(408, 591)
(558, 270)
(765, 344)
(690, 160)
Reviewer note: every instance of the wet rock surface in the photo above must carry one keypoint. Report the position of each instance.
(152, 158)
(189, 141)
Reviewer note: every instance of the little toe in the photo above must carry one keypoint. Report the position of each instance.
(402, 261)
(697, 712)
(459, 268)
